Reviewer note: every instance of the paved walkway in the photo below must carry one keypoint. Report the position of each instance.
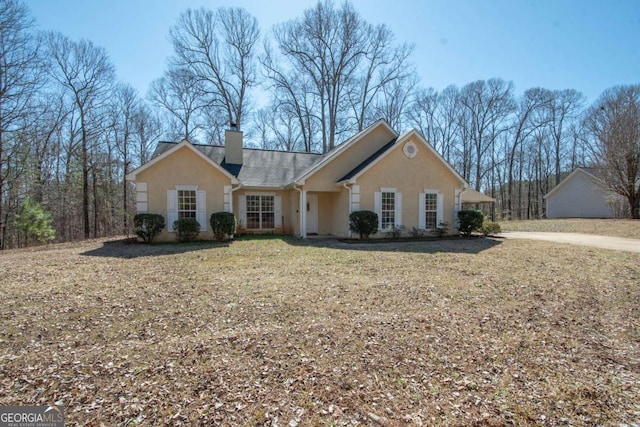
(605, 242)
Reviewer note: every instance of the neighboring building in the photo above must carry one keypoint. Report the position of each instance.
(401, 177)
(582, 195)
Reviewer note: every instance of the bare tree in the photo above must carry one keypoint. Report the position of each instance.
(218, 48)
(20, 77)
(383, 72)
(525, 122)
(293, 93)
(487, 106)
(614, 124)
(326, 45)
(180, 95)
(564, 107)
(87, 74)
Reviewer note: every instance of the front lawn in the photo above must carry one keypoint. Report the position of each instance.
(605, 227)
(280, 331)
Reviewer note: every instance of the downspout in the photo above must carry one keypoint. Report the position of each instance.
(345, 185)
(302, 211)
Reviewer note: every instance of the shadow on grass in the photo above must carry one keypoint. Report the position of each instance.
(460, 245)
(129, 248)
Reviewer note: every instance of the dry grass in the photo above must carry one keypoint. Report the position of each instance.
(604, 227)
(285, 332)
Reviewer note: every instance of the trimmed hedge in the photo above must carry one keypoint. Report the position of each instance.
(223, 225)
(365, 223)
(147, 226)
(470, 221)
(187, 229)
(490, 228)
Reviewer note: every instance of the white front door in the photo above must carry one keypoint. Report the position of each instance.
(312, 213)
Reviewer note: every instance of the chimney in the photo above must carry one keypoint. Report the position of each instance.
(233, 145)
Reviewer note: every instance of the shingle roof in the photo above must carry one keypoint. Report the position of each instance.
(260, 168)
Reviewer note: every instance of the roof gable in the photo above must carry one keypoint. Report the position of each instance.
(394, 144)
(131, 176)
(578, 171)
(337, 151)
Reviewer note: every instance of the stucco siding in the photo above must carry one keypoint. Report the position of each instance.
(183, 167)
(410, 177)
(579, 197)
(325, 178)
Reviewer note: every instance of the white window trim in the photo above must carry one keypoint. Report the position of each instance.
(377, 201)
(422, 215)
(172, 206)
(187, 187)
(277, 209)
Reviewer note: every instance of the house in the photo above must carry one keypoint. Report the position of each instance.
(582, 195)
(401, 177)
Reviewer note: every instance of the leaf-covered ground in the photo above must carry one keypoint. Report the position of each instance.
(284, 332)
(605, 227)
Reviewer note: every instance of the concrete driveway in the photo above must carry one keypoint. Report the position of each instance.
(605, 242)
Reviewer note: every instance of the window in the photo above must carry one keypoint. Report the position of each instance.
(388, 210)
(431, 211)
(387, 203)
(187, 204)
(430, 205)
(260, 212)
(186, 201)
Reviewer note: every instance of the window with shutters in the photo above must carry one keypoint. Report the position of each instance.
(260, 212)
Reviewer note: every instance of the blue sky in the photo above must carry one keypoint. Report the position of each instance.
(587, 45)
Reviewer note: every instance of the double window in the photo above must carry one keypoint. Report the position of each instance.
(260, 212)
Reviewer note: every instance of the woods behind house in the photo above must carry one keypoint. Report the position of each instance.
(70, 130)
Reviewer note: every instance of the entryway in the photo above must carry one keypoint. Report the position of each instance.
(312, 214)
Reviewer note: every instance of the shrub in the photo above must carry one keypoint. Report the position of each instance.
(147, 226)
(442, 229)
(490, 228)
(223, 225)
(395, 232)
(186, 229)
(470, 221)
(365, 223)
(416, 232)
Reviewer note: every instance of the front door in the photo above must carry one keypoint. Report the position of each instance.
(312, 214)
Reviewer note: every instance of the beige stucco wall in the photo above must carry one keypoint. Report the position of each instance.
(325, 178)
(410, 177)
(183, 167)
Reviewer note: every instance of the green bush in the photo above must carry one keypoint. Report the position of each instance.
(35, 222)
(470, 221)
(490, 228)
(187, 229)
(147, 226)
(365, 223)
(223, 225)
